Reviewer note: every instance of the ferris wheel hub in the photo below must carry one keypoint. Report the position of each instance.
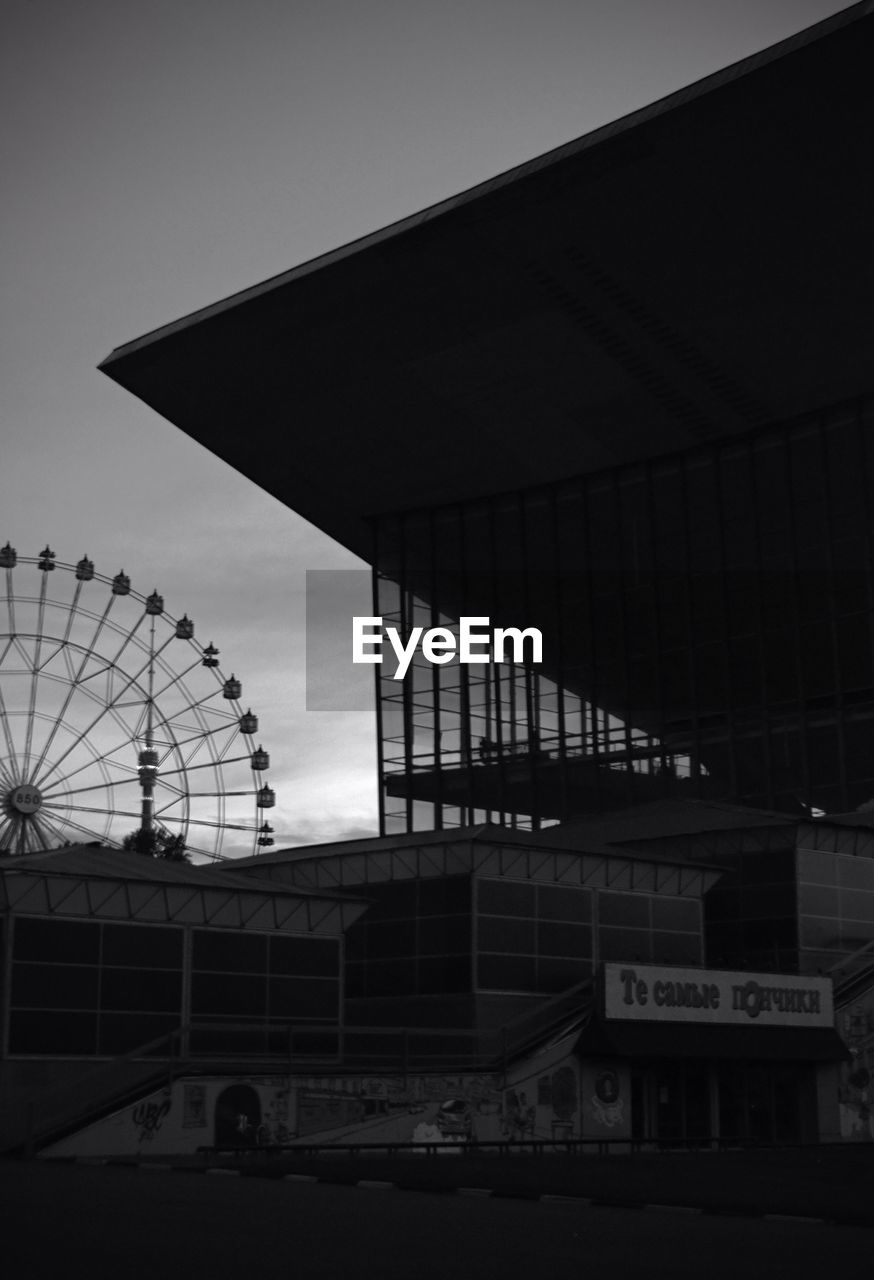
(25, 799)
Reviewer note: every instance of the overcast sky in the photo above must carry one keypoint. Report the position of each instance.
(159, 155)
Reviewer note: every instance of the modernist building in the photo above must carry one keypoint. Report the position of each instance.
(620, 393)
(623, 394)
(663, 975)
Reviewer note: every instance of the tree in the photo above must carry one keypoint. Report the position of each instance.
(156, 843)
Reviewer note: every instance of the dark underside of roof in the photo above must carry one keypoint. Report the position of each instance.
(689, 273)
(678, 1040)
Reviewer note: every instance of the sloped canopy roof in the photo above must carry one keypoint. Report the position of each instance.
(88, 882)
(691, 271)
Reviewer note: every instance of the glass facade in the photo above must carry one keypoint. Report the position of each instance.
(462, 935)
(533, 937)
(707, 626)
(259, 985)
(752, 914)
(86, 988)
(835, 909)
(414, 940)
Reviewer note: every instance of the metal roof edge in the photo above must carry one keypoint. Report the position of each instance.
(623, 125)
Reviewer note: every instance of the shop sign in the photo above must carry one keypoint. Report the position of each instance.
(653, 993)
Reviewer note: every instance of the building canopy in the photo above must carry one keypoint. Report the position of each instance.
(691, 271)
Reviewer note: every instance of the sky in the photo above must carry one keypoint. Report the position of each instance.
(158, 156)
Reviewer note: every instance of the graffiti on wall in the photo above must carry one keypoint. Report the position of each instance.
(607, 1102)
(194, 1106)
(856, 1095)
(148, 1116)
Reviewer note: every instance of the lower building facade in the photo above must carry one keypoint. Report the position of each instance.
(609, 982)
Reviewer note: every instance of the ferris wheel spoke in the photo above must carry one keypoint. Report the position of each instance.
(74, 609)
(181, 793)
(34, 680)
(200, 733)
(8, 777)
(129, 637)
(181, 798)
(10, 603)
(130, 733)
(74, 686)
(70, 824)
(7, 727)
(105, 710)
(215, 795)
(40, 829)
(55, 828)
(178, 678)
(84, 808)
(111, 753)
(107, 754)
(207, 764)
(213, 823)
(60, 796)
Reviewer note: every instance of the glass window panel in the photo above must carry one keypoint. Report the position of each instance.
(356, 945)
(676, 948)
(142, 946)
(69, 941)
(625, 944)
(506, 973)
(506, 898)
(119, 1032)
(559, 903)
(391, 938)
(768, 901)
(722, 904)
(229, 952)
(815, 868)
(446, 973)
(764, 935)
(683, 914)
(305, 955)
(354, 980)
(146, 989)
(818, 900)
(497, 933)
(628, 909)
(54, 986)
(444, 934)
(556, 938)
(304, 998)
(446, 896)
(556, 973)
(63, 1034)
(855, 873)
(393, 900)
(858, 905)
(390, 978)
(228, 993)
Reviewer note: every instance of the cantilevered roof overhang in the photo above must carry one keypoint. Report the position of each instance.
(694, 270)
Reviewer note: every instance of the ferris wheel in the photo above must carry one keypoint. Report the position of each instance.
(114, 720)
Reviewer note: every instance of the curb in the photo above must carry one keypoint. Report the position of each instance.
(483, 1193)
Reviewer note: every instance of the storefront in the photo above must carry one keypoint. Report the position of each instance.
(678, 1056)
